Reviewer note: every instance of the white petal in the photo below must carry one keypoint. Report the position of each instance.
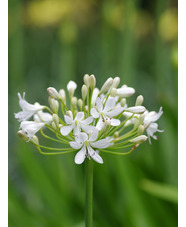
(87, 128)
(115, 112)
(115, 122)
(104, 143)
(80, 156)
(94, 135)
(75, 145)
(82, 137)
(99, 104)
(87, 121)
(71, 85)
(65, 130)
(94, 155)
(94, 113)
(79, 116)
(100, 124)
(110, 104)
(68, 119)
(157, 115)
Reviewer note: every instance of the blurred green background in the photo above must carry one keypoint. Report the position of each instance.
(52, 42)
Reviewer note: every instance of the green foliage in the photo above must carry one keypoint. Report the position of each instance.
(101, 38)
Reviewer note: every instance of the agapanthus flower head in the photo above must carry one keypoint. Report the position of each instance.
(89, 125)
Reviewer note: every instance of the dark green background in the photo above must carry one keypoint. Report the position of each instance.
(52, 42)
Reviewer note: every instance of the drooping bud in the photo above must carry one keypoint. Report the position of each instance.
(139, 139)
(80, 104)
(62, 95)
(21, 135)
(136, 109)
(123, 102)
(86, 80)
(55, 119)
(53, 104)
(125, 91)
(106, 85)
(71, 87)
(84, 92)
(139, 100)
(113, 92)
(92, 81)
(53, 93)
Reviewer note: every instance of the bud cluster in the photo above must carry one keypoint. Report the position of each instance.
(99, 121)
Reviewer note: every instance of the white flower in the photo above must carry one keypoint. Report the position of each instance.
(76, 124)
(86, 145)
(106, 112)
(29, 128)
(149, 123)
(41, 116)
(28, 110)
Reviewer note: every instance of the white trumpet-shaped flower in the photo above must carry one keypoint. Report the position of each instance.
(28, 110)
(106, 112)
(149, 122)
(76, 124)
(29, 128)
(87, 144)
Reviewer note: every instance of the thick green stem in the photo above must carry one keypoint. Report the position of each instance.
(88, 192)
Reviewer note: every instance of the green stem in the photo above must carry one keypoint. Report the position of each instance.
(88, 192)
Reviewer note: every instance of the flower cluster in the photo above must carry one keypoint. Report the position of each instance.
(100, 121)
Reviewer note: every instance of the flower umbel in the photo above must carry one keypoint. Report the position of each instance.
(95, 123)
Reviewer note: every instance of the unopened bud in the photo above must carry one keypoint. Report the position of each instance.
(53, 93)
(116, 134)
(125, 91)
(86, 80)
(54, 126)
(123, 102)
(62, 95)
(139, 100)
(136, 109)
(53, 104)
(69, 113)
(139, 139)
(92, 81)
(116, 82)
(106, 85)
(113, 92)
(71, 87)
(22, 135)
(94, 96)
(84, 92)
(55, 119)
(86, 108)
(141, 129)
(80, 103)
(106, 126)
(35, 140)
(73, 101)
(141, 118)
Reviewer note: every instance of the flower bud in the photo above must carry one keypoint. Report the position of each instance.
(86, 80)
(123, 102)
(86, 108)
(80, 103)
(22, 135)
(136, 109)
(141, 129)
(141, 118)
(139, 139)
(54, 126)
(69, 113)
(106, 85)
(125, 91)
(139, 100)
(53, 93)
(84, 92)
(92, 81)
(116, 134)
(106, 126)
(113, 92)
(53, 104)
(55, 119)
(62, 95)
(94, 96)
(73, 101)
(35, 140)
(71, 87)
(116, 82)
